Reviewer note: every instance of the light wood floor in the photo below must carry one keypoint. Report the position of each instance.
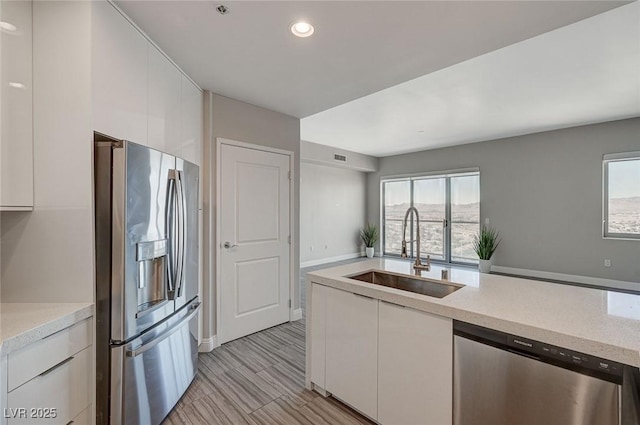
(259, 379)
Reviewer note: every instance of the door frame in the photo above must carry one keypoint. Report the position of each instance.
(220, 141)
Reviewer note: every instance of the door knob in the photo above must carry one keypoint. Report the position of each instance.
(228, 245)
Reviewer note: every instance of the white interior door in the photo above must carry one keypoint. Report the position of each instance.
(253, 241)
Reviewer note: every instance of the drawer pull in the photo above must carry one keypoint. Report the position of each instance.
(362, 296)
(55, 333)
(70, 422)
(394, 304)
(52, 368)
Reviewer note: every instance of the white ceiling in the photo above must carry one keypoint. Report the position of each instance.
(359, 47)
(584, 73)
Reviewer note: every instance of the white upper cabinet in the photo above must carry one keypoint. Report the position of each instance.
(119, 74)
(138, 93)
(164, 104)
(192, 122)
(16, 142)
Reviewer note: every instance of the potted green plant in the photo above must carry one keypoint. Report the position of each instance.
(485, 244)
(369, 235)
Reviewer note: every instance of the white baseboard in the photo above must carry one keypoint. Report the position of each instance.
(208, 344)
(586, 280)
(320, 261)
(297, 314)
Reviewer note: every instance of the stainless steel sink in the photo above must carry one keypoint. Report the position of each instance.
(417, 284)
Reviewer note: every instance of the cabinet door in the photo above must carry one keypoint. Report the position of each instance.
(16, 140)
(164, 103)
(317, 339)
(192, 122)
(352, 350)
(415, 367)
(119, 75)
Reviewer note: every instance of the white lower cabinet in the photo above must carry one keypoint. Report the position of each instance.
(352, 350)
(415, 364)
(391, 363)
(318, 334)
(83, 418)
(50, 381)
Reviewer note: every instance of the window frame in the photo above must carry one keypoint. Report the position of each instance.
(447, 257)
(606, 160)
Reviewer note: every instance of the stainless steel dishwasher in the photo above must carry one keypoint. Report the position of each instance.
(506, 379)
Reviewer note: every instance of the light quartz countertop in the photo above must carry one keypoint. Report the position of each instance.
(24, 323)
(601, 323)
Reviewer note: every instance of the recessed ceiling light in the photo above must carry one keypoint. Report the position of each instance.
(302, 29)
(6, 26)
(16, 85)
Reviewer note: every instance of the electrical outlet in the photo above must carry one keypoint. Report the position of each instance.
(607, 263)
(311, 248)
(486, 221)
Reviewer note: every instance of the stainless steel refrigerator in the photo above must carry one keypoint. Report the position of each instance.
(146, 232)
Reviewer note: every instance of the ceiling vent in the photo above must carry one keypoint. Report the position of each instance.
(339, 157)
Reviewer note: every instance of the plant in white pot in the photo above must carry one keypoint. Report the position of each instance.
(485, 244)
(369, 235)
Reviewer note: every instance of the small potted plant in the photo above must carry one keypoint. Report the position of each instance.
(485, 244)
(369, 235)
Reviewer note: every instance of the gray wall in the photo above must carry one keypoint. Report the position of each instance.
(544, 194)
(231, 119)
(332, 211)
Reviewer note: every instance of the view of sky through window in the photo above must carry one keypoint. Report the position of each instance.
(624, 197)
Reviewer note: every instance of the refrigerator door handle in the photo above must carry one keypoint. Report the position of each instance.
(182, 233)
(170, 217)
(194, 309)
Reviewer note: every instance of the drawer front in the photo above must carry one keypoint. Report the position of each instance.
(32, 360)
(83, 418)
(65, 388)
(147, 392)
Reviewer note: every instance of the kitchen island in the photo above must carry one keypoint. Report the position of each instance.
(375, 323)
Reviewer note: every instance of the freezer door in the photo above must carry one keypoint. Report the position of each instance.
(187, 284)
(150, 374)
(144, 189)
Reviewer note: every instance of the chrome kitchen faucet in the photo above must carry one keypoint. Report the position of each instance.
(418, 264)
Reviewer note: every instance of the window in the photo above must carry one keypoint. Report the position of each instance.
(621, 204)
(449, 209)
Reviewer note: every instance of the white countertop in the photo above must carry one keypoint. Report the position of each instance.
(24, 323)
(601, 323)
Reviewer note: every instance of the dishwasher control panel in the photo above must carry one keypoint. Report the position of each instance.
(564, 355)
(542, 351)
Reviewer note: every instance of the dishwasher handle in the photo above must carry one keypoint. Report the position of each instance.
(524, 354)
